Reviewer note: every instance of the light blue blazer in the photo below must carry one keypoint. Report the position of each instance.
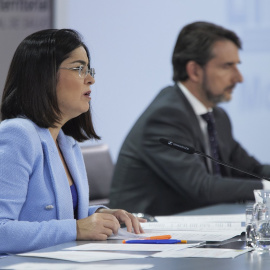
(36, 209)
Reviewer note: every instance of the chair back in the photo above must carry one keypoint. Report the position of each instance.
(99, 168)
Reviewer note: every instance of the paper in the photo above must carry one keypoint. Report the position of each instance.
(132, 247)
(202, 218)
(201, 253)
(72, 266)
(195, 235)
(191, 235)
(195, 226)
(82, 256)
(123, 234)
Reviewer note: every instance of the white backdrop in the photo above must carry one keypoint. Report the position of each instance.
(131, 44)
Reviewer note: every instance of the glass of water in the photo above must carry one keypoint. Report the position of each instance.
(261, 219)
(250, 228)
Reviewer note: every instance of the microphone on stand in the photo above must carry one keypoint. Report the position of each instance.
(191, 150)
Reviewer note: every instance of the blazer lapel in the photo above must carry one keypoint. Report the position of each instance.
(64, 207)
(75, 164)
(222, 144)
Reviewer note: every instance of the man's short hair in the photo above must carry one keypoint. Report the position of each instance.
(195, 43)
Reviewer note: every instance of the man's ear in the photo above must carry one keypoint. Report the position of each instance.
(194, 71)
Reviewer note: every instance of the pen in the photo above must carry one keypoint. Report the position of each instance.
(161, 241)
(158, 237)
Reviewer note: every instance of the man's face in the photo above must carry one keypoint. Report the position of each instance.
(221, 74)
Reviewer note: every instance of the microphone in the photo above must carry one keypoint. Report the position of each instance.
(191, 150)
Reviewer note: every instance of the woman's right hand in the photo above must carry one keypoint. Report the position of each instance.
(98, 226)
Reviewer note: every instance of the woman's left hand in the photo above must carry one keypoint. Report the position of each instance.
(125, 217)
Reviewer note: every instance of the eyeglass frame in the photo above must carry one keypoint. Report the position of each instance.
(90, 71)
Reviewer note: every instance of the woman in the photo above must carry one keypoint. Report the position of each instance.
(45, 112)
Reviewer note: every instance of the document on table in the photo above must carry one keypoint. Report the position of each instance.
(181, 234)
(72, 266)
(202, 218)
(123, 234)
(196, 235)
(195, 226)
(82, 256)
(201, 253)
(132, 247)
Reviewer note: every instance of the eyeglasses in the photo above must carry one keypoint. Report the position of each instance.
(83, 71)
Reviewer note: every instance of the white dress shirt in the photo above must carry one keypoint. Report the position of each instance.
(199, 109)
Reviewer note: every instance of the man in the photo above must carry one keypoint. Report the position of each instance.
(155, 179)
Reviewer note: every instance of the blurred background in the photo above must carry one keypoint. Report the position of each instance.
(131, 44)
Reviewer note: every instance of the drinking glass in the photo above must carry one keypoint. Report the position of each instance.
(250, 230)
(261, 219)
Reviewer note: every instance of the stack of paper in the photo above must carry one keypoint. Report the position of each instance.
(198, 228)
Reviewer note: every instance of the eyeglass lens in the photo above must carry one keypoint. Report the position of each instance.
(84, 70)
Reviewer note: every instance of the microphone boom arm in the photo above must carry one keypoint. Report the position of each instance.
(230, 166)
(191, 150)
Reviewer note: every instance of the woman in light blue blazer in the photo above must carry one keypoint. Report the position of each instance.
(45, 111)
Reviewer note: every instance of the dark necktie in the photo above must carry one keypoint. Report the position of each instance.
(212, 133)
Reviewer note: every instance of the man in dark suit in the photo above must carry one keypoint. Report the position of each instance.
(155, 179)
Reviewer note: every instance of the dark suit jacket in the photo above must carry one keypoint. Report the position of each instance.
(152, 178)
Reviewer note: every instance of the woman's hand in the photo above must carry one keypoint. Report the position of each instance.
(125, 217)
(97, 227)
(106, 222)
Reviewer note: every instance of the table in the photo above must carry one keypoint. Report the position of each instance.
(251, 260)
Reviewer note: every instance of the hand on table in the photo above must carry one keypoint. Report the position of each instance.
(125, 217)
(106, 222)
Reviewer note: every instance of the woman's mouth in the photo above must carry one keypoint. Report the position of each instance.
(87, 94)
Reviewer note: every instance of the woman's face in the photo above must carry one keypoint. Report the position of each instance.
(73, 92)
